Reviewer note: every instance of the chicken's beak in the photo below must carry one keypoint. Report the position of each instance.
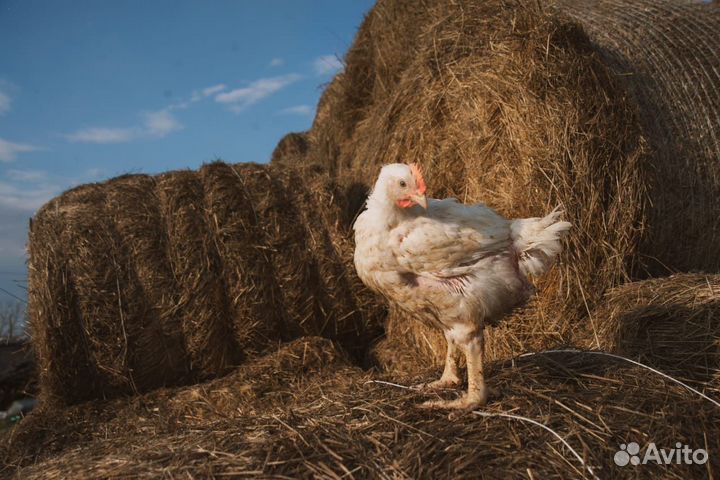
(420, 200)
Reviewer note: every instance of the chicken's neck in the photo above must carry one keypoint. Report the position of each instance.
(387, 214)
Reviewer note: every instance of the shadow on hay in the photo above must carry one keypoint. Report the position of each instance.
(653, 335)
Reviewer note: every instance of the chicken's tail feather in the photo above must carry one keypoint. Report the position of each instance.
(537, 241)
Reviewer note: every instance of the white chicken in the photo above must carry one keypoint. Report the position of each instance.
(454, 266)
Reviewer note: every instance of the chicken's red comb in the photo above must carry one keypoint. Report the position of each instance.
(419, 181)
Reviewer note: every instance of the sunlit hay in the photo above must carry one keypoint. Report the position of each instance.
(142, 282)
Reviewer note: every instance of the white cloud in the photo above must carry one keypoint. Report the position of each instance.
(9, 150)
(25, 199)
(101, 135)
(155, 124)
(297, 110)
(277, 62)
(161, 123)
(327, 64)
(5, 102)
(17, 205)
(241, 98)
(205, 92)
(213, 90)
(26, 175)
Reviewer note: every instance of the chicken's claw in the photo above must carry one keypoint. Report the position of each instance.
(440, 384)
(466, 402)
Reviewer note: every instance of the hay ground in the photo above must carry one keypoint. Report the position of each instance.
(305, 411)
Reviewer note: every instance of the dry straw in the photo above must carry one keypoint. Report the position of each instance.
(305, 411)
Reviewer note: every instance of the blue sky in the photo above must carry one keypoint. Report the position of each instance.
(93, 89)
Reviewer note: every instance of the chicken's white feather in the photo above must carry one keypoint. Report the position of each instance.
(455, 266)
(538, 241)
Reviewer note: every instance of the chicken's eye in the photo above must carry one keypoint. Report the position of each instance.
(403, 184)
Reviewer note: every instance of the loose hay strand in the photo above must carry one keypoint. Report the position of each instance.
(620, 357)
(383, 382)
(507, 415)
(543, 426)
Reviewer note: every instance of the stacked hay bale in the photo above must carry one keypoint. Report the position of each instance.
(144, 281)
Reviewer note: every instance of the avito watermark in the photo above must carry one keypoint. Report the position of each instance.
(681, 454)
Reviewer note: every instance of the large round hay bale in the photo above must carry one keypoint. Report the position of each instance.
(667, 54)
(144, 281)
(514, 105)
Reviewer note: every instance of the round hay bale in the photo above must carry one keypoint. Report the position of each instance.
(142, 282)
(670, 323)
(505, 103)
(665, 53)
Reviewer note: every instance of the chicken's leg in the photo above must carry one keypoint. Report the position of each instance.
(475, 354)
(477, 393)
(450, 377)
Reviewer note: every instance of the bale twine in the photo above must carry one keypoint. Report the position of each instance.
(504, 103)
(667, 54)
(144, 281)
